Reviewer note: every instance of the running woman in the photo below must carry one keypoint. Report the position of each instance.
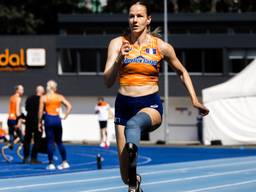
(134, 59)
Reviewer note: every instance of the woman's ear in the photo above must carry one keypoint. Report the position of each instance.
(149, 20)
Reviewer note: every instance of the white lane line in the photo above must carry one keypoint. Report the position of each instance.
(176, 180)
(222, 186)
(58, 183)
(200, 167)
(106, 189)
(115, 177)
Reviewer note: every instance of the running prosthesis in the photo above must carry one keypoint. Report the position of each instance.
(134, 179)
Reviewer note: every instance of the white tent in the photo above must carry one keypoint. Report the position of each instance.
(232, 104)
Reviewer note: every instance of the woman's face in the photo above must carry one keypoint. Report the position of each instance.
(21, 90)
(138, 18)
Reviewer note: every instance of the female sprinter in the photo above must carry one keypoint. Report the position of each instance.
(134, 59)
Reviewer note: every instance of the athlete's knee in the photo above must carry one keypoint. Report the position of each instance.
(137, 124)
(141, 120)
(131, 125)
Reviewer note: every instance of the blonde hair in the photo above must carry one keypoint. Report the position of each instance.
(51, 85)
(156, 32)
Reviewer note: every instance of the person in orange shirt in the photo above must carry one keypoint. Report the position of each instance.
(134, 59)
(14, 122)
(51, 104)
(2, 133)
(15, 115)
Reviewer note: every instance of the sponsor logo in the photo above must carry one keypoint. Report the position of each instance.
(140, 59)
(154, 106)
(21, 59)
(12, 59)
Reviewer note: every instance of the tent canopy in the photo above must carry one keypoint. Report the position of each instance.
(241, 85)
(232, 104)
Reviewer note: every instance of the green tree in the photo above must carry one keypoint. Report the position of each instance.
(33, 16)
(16, 20)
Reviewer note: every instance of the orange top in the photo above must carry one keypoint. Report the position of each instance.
(141, 65)
(2, 132)
(102, 103)
(53, 104)
(13, 107)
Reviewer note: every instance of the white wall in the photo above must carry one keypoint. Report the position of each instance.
(181, 123)
(85, 128)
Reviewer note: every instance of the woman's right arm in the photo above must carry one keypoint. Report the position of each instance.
(117, 49)
(113, 62)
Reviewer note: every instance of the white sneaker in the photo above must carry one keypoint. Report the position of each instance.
(107, 143)
(102, 144)
(51, 167)
(63, 165)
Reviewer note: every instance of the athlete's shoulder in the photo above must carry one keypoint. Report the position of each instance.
(11, 97)
(160, 42)
(58, 95)
(163, 46)
(117, 40)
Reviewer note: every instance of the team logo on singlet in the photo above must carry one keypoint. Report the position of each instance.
(140, 59)
(154, 106)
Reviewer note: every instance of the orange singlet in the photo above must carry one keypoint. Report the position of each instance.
(53, 104)
(13, 107)
(141, 65)
(102, 103)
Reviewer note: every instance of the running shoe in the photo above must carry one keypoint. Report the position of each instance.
(63, 165)
(107, 144)
(102, 144)
(137, 188)
(51, 167)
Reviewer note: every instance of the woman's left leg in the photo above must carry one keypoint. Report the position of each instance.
(145, 120)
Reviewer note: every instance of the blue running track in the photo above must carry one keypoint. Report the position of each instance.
(163, 169)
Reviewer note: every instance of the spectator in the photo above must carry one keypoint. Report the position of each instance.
(51, 103)
(14, 118)
(32, 108)
(104, 113)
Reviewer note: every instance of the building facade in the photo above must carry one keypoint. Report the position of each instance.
(212, 46)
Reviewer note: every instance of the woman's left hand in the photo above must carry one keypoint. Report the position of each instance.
(202, 109)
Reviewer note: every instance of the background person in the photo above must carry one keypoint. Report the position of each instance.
(135, 60)
(14, 121)
(51, 103)
(104, 113)
(31, 130)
